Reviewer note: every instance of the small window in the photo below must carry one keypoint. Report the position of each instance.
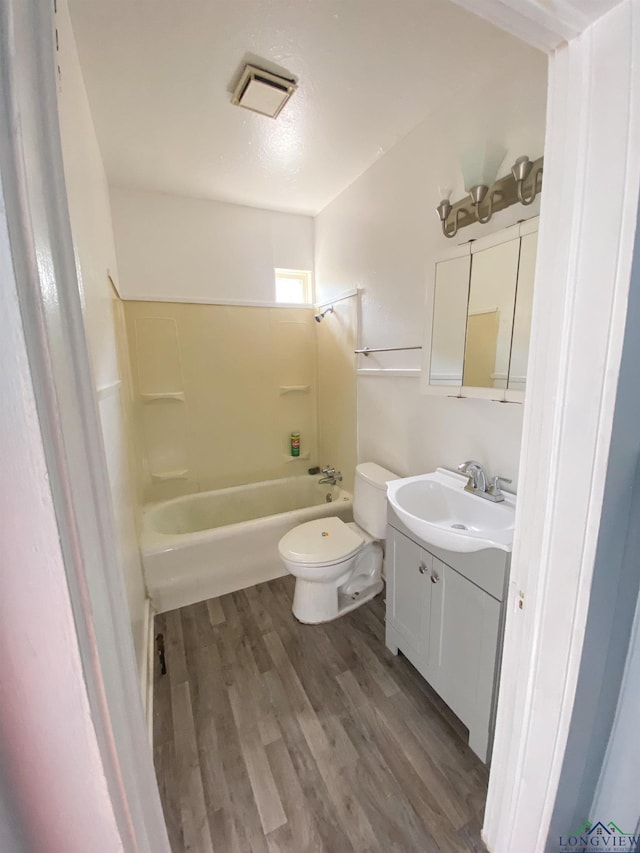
(293, 286)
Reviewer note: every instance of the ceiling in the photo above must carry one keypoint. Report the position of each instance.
(159, 76)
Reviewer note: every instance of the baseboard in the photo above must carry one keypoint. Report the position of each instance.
(148, 662)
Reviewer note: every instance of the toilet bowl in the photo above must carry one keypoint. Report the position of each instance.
(338, 565)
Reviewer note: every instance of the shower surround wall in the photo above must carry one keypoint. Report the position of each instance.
(218, 389)
(207, 269)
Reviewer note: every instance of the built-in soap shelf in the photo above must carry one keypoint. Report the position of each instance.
(161, 476)
(162, 395)
(294, 389)
(304, 455)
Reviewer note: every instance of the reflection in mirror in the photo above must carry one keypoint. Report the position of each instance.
(482, 342)
(522, 317)
(449, 316)
(490, 315)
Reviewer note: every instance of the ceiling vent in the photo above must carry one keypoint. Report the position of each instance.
(262, 91)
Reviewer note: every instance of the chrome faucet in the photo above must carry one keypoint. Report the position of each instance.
(332, 476)
(477, 482)
(476, 474)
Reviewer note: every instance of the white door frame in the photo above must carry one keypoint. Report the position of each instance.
(47, 288)
(587, 232)
(586, 239)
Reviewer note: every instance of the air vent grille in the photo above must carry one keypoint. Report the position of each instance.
(262, 92)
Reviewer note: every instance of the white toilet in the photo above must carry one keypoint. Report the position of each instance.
(338, 566)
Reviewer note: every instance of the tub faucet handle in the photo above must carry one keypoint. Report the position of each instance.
(329, 469)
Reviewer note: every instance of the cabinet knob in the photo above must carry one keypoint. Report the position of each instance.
(435, 577)
(422, 568)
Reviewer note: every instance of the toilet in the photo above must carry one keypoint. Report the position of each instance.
(338, 566)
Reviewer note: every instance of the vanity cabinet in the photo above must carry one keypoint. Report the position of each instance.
(445, 613)
(409, 597)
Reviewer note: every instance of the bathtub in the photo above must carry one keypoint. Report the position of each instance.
(204, 545)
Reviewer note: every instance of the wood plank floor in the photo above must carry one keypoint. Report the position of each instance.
(276, 737)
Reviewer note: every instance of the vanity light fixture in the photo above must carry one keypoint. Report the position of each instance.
(486, 195)
(480, 169)
(444, 209)
(521, 170)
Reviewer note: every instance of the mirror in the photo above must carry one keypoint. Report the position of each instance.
(522, 317)
(492, 294)
(449, 316)
(481, 324)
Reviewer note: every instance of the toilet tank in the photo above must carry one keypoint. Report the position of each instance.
(370, 498)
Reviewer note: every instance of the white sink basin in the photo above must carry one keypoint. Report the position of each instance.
(436, 508)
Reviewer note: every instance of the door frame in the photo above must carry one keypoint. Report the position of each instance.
(587, 232)
(77, 485)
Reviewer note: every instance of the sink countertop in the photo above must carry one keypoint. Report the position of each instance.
(437, 509)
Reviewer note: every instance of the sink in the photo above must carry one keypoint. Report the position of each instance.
(436, 508)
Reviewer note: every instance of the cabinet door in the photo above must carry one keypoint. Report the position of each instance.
(463, 649)
(408, 597)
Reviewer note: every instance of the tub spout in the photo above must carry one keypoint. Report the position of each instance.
(332, 477)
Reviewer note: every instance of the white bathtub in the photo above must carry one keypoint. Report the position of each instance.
(204, 545)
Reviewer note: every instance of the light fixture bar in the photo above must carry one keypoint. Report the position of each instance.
(505, 192)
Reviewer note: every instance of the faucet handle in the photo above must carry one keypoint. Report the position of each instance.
(329, 469)
(494, 487)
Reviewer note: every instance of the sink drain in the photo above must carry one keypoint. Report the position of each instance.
(459, 526)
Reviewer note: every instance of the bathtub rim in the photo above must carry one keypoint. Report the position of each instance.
(153, 542)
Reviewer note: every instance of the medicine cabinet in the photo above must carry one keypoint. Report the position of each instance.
(477, 332)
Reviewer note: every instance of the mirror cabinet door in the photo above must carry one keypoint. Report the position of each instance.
(522, 317)
(449, 321)
(490, 315)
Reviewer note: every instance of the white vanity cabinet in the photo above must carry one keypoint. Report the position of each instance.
(409, 594)
(445, 614)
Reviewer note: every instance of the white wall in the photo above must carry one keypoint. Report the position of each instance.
(95, 258)
(172, 247)
(54, 785)
(382, 235)
(410, 433)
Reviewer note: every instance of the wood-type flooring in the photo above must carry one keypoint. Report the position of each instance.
(276, 737)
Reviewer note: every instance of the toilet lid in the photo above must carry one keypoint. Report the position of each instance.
(325, 540)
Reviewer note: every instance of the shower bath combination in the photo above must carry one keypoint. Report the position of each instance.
(236, 530)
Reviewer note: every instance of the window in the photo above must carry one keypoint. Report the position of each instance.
(293, 286)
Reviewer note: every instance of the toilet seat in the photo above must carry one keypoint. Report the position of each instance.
(322, 542)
